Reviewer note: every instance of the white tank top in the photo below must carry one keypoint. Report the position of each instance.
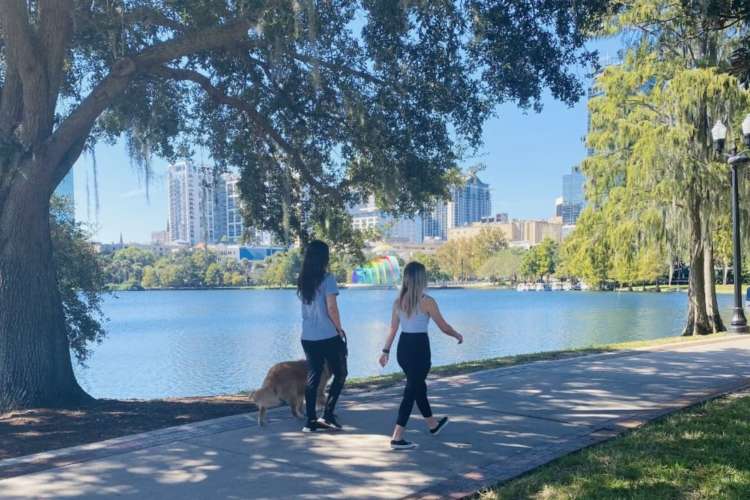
(416, 323)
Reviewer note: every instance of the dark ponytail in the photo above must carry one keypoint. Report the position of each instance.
(314, 267)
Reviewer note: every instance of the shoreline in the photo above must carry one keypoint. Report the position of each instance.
(34, 430)
(720, 289)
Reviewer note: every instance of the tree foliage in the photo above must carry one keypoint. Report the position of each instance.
(653, 176)
(461, 258)
(319, 104)
(540, 261)
(135, 268)
(504, 265)
(79, 279)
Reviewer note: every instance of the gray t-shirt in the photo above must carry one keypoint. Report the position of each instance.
(316, 324)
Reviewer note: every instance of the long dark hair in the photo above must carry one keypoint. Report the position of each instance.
(314, 267)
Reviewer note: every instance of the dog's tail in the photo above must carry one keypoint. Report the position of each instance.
(251, 397)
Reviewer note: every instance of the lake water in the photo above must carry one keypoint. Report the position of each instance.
(192, 343)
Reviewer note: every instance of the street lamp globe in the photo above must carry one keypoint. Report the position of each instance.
(719, 135)
(746, 129)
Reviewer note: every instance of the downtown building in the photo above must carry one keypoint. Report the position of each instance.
(468, 204)
(205, 207)
(393, 229)
(190, 190)
(518, 233)
(573, 198)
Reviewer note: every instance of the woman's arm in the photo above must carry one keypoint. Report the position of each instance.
(430, 307)
(391, 335)
(333, 312)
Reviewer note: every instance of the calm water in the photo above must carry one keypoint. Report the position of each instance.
(189, 343)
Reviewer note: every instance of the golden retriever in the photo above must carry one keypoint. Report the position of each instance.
(285, 382)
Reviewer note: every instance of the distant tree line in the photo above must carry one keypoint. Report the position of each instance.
(136, 268)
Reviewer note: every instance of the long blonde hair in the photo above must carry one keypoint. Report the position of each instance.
(413, 285)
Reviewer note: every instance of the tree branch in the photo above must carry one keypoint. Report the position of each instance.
(22, 52)
(149, 16)
(80, 121)
(217, 95)
(337, 67)
(55, 31)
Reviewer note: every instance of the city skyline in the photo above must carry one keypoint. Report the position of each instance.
(530, 195)
(526, 154)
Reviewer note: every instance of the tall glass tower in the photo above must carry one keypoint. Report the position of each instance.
(574, 198)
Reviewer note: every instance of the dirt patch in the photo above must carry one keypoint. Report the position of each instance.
(35, 430)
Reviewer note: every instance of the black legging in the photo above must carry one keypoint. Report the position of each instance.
(414, 358)
(319, 352)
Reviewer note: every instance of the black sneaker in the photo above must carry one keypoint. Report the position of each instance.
(314, 426)
(331, 423)
(403, 444)
(440, 426)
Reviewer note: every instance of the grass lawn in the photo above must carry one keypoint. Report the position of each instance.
(730, 289)
(699, 453)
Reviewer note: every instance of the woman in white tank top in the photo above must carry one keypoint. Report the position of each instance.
(412, 311)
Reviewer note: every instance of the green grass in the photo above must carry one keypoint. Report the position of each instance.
(730, 289)
(699, 453)
(381, 381)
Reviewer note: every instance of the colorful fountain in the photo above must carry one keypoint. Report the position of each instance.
(381, 271)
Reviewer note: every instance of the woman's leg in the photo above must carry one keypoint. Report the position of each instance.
(335, 356)
(404, 356)
(424, 363)
(407, 402)
(315, 363)
(421, 398)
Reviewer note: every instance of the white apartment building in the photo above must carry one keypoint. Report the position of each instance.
(393, 229)
(191, 203)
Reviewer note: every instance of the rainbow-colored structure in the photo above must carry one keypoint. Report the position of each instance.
(379, 271)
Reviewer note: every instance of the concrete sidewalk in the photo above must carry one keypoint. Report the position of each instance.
(503, 422)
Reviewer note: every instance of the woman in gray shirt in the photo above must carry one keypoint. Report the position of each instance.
(323, 338)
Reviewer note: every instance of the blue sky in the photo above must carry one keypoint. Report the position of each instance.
(526, 156)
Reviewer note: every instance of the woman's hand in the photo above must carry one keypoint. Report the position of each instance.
(383, 359)
(459, 337)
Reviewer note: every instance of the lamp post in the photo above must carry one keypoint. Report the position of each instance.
(735, 160)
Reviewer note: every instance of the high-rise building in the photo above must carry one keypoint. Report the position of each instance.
(228, 222)
(558, 206)
(435, 221)
(469, 203)
(191, 203)
(235, 223)
(573, 196)
(393, 229)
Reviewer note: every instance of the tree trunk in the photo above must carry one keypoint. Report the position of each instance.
(712, 304)
(726, 273)
(697, 320)
(35, 364)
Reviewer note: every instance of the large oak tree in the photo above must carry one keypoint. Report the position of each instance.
(319, 103)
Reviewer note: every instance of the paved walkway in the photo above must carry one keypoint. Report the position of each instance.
(503, 422)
